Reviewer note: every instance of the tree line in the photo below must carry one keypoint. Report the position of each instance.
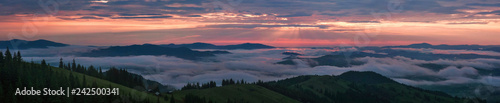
(119, 76)
(213, 84)
(17, 73)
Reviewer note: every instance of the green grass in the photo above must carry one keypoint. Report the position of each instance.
(240, 93)
(126, 93)
(394, 92)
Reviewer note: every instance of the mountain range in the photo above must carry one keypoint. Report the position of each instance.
(199, 45)
(23, 44)
(41, 43)
(449, 47)
(149, 49)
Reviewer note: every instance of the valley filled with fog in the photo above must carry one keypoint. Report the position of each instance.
(475, 74)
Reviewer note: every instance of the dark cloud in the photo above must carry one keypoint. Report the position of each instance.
(448, 10)
(141, 17)
(89, 17)
(258, 25)
(194, 16)
(103, 15)
(335, 14)
(64, 18)
(469, 23)
(493, 12)
(298, 14)
(127, 14)
(485, 4)
(185, 8)
(281, 8)
(363, 21)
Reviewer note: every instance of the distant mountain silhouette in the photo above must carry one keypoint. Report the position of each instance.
(23, 44)
(218, 52)
(290, 53)
(496, 49)
(199, 45)
(442, 46)
(335, 59)
(421, 45)
(149, 49)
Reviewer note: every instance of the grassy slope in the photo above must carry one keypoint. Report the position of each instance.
(241, 93)
(125, 92)
(397, 92)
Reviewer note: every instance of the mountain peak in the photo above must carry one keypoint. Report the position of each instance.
(147, 44)
(43, 40)
(421, 44)
(201, 43)
(251, 44)
(365, 77)
(15, 40)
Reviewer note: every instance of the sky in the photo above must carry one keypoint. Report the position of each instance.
(282, 23)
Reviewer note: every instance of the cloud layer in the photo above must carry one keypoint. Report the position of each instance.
(253, 65)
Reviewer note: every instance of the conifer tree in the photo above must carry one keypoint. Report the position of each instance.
(8, 56)
(14, 58)
(44, 65)
(100, 73)
(1, 58)
(71, 79)
(19, 58)
(68, 67)
(172, 100)
(73, 66)
(1, 91)
(61, 64)
(84, 83)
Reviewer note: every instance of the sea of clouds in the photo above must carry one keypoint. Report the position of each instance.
(260, 64)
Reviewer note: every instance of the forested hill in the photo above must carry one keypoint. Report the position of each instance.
(17, 73)
(350, 87)
(369, 87)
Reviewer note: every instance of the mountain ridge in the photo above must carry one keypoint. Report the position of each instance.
(334, 89)
(150, 49)
(200, 45)
(24, 44)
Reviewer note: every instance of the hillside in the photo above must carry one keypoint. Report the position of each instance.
(370, 86)
(365, 77)
(126, 92)
(16, 73)
(350, 87)
(241, 93)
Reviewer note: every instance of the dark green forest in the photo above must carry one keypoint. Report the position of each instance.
(17, 73)
(350, 87)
